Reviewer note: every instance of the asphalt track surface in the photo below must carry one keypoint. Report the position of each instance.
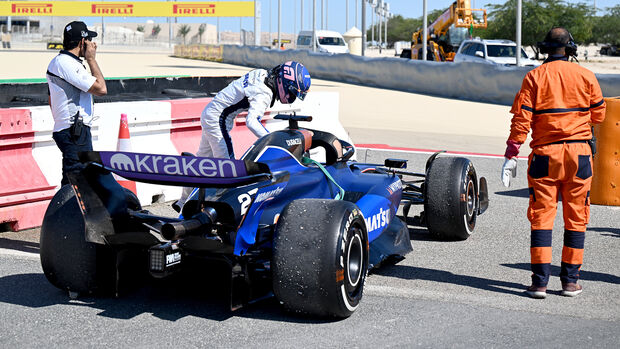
(444, 294)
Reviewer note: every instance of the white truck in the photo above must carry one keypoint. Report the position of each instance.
(326, 41)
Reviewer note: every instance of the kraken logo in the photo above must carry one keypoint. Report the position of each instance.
(122, 162)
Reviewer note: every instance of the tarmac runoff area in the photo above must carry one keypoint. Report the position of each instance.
(444, 294)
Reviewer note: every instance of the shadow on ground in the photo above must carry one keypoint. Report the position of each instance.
(606, 231)
(442, 276)
(419, 232)
(583, 274)
(519, 193)
(165, 299)
(20, 245)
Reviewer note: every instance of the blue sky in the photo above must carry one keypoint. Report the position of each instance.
(336, 18)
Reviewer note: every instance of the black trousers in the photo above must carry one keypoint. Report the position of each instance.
(69, 146)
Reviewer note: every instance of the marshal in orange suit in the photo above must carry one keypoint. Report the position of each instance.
(558, 101)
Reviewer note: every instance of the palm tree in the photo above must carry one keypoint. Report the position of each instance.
(201, 30)
(183, 31)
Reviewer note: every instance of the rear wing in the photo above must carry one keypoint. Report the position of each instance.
(178, 170)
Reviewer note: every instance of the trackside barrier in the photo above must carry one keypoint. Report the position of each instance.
(149, 124)
(470, 81)
(606, 181)
(17, 94)
(31, 166)
(186, 132)
(24, 190)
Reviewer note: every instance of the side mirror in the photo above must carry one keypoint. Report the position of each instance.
(479, 54)
(395, 163)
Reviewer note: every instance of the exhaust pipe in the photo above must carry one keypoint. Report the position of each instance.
(196, 225)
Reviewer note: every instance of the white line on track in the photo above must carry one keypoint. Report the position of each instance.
(434, 295)
(428, 151)
(17, 253)
(495, 300)
(379, 290)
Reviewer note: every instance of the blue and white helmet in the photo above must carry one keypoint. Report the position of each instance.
(293, 82)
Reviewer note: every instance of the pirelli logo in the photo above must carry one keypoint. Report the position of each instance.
(32, 8)
(198, 9)
(126, 8)
(111, 9)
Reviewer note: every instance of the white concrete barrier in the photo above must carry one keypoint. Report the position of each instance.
(150, 129)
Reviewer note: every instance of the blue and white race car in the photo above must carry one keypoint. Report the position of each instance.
(285, 225)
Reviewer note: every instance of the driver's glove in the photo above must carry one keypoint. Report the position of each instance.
(509, 169)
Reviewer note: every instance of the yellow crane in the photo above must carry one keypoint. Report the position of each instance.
(447, 32)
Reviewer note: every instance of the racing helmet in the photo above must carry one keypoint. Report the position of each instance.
(293, 81)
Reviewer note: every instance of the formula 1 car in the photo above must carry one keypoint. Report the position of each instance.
(284, 224)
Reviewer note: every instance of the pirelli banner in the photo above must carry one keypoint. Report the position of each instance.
(128, 9)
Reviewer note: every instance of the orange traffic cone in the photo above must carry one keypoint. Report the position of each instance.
(124, 144)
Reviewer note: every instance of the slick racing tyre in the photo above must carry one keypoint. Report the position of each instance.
(320, 257)
(451, 198)
(133, 202)
(70, 262)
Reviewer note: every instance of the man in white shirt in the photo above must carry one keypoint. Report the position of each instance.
(71, 88)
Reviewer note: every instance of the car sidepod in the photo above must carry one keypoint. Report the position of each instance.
(388, 234)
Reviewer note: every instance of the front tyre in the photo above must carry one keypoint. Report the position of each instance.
(320, 257)
(451, 204)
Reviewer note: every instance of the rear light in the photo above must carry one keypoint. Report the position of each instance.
(164, 259)
(157, 260)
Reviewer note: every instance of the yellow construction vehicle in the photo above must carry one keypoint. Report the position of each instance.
(448, 31)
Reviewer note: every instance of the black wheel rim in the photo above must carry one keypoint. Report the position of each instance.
(355, 260)
(470, 195)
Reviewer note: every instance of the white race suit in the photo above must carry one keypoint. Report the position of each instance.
(250, 93)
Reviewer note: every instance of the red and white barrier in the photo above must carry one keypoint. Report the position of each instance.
(31, 166)
(24, 190)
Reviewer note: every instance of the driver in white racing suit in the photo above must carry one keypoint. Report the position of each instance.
(254, 92)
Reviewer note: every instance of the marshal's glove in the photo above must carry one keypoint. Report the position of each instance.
(509, 169)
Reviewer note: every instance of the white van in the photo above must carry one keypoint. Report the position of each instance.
(326, 41)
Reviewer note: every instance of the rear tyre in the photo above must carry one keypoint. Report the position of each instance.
(320, 257)
(70, 262)
(451, 198)
(133, 202)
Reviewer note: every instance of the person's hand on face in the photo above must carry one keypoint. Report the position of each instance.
(89, 49)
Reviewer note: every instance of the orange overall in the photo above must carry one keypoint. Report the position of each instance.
(558, 101)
